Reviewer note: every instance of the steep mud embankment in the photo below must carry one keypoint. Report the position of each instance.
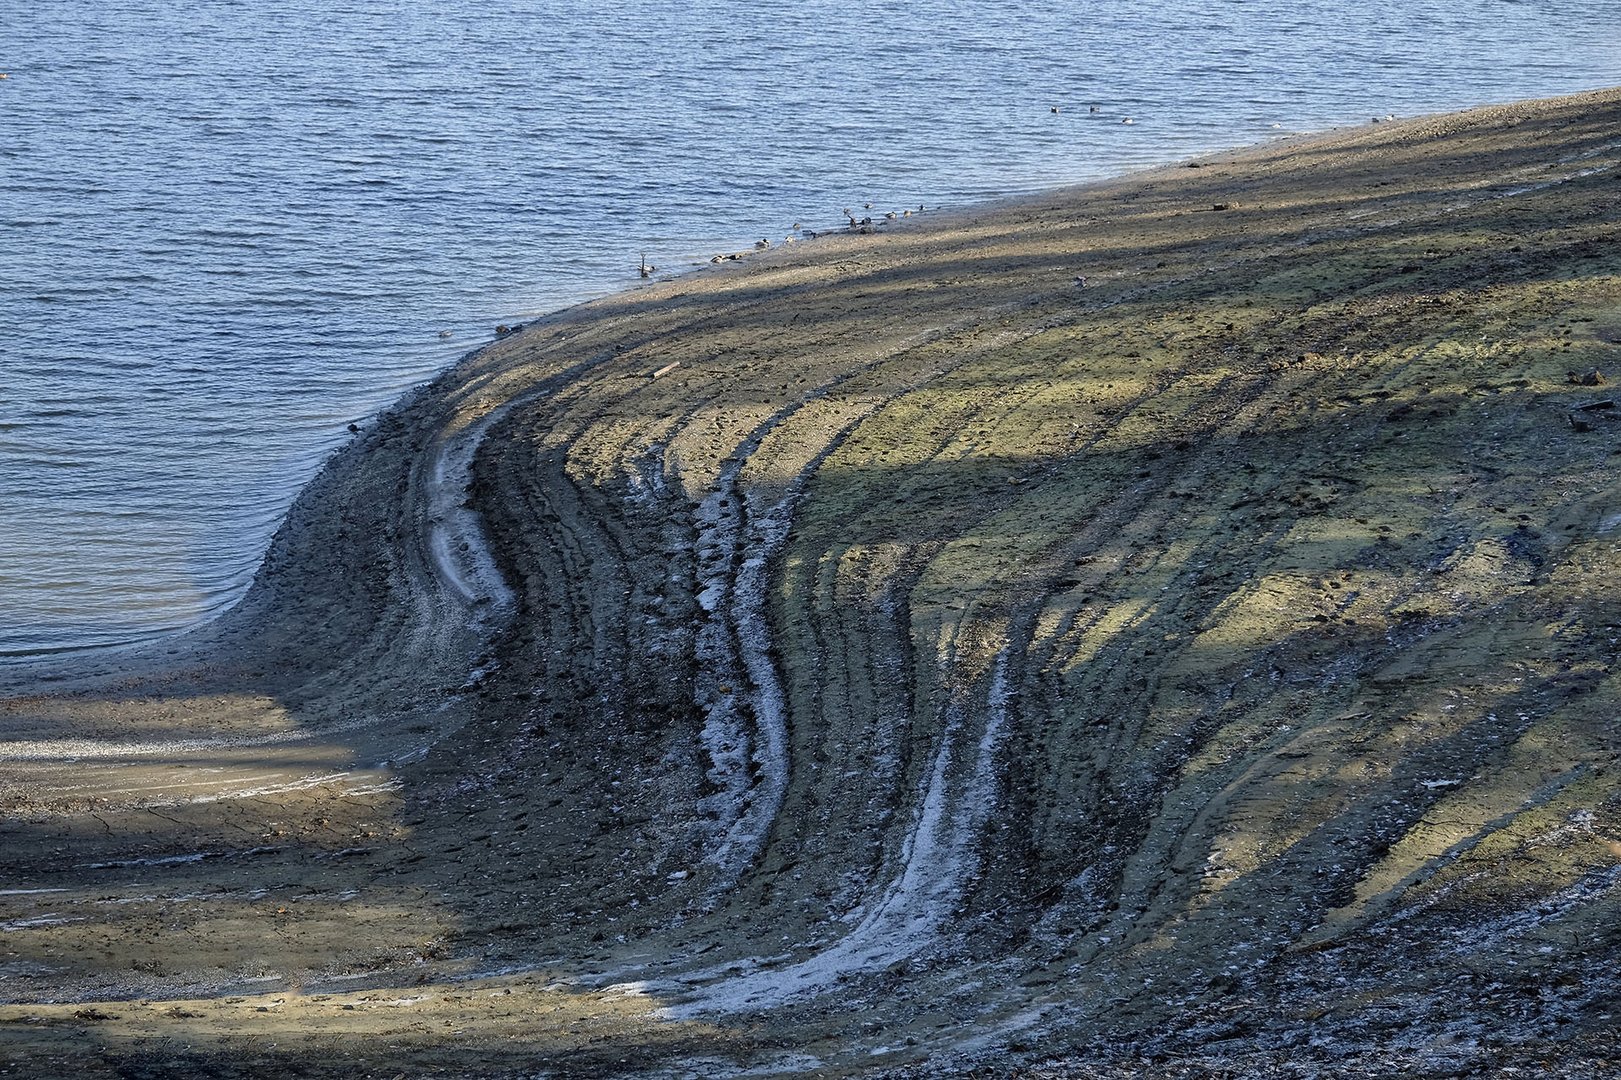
(1164, 625)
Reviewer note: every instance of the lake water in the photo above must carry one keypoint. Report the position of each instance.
(229, 229)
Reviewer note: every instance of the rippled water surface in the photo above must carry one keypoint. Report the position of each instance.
(227, 230)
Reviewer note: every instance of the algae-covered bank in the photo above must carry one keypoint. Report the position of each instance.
(1159, 628)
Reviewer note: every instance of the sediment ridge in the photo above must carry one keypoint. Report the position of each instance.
(1162, 627)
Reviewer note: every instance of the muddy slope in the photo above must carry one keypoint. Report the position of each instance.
(1161, 626)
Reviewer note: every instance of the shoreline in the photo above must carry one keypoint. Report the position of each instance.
(1009, 203)
(1132, 621)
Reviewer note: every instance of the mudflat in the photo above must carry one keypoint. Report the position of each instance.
(1162, 627)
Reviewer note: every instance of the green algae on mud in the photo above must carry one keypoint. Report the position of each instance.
(1168, 619)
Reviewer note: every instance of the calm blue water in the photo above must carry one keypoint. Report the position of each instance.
(227, 229)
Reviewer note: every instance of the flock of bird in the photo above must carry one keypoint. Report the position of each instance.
(864, 224)
(798, 232)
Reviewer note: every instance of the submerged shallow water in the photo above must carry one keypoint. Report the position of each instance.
(226, 235)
